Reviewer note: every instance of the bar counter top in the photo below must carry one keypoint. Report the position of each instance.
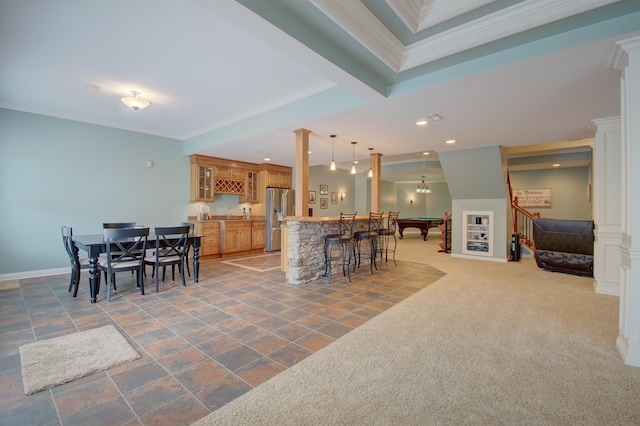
(319, 218)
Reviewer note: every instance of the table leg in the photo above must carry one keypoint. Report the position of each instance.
(196, 263)
(425, 232)
(93, 278)
(400, 231)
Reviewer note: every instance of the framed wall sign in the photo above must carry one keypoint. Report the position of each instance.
(538, 197)
(324, 189)
(323, 203)
(334, 198)
(312, 197)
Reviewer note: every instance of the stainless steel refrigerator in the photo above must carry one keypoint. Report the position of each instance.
(280, 204)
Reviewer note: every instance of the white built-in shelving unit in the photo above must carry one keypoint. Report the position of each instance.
(477, 238)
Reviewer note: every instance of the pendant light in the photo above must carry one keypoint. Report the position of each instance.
(370, 169)
(422, 188)
(353, 158)
(135, 102)
(333, 151)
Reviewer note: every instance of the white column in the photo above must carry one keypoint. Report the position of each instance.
(607, 202)
(627, 59)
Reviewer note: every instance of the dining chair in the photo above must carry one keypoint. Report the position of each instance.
(170, 249)
(125, 252)
(385, 235)
(369, 235)
(77, 264)
(186, 255)
(118, 225)
(342, 239)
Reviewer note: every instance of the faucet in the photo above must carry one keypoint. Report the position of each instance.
(229, 212)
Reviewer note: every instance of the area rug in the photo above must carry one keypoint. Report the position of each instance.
(52, 362)
(262, 263)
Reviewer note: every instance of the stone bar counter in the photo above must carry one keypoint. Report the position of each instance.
(303, 244)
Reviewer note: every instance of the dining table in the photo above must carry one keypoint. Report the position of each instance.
(94, 245)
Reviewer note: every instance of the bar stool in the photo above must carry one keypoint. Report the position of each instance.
(343, 239)
(385, 235)
(370, 235)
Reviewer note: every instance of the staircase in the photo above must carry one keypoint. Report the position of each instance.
(522, 224)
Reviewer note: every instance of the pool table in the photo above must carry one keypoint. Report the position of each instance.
(422, 223)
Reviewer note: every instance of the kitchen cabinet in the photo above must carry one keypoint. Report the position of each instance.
(275, 176)
(201, 181)
(251, 188)
(210, 230)
(229, 172)
(258, 234)
(235, 236)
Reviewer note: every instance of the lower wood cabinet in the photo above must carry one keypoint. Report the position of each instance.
(230, 236)
(235, 236)
(258, 234)
(211, 236)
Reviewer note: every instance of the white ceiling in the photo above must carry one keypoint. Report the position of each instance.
(233, 79)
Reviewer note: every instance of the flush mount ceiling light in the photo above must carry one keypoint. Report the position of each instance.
(333, 151)
(422, 188)
(422, 123)
(451, 141)
(370, 169)
(135, 102)
(353, 158)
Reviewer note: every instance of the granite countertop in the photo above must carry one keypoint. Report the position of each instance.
(223, 218)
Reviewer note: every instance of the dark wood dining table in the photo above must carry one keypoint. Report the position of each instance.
(94, 245)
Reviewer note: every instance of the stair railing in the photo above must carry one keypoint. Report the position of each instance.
(522, 219)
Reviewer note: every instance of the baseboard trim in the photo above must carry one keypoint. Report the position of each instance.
(608, 288)
(34, 274)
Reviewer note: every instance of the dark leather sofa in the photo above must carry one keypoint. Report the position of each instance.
(564, 246)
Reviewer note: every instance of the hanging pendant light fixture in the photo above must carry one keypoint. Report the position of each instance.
(370, 169)
(422, 188)
(333, 151)
(353, 158)
(135, 102)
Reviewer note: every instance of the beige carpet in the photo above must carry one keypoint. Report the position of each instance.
(489, 343)
(52, 362)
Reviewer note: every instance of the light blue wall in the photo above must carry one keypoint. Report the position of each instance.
(340, 181)
(424, 205)
(569, 191)
(56, 172)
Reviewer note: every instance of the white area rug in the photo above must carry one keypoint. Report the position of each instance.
(262, 263)
(52, 362)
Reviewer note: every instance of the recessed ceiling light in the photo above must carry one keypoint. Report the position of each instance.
(355, 162)
(267, 159)
(425, 153)
(308, 152)
(451, 141)
(434, 117)
(556, 164)
(422, 123)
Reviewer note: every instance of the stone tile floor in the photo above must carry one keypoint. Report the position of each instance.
(202, 345)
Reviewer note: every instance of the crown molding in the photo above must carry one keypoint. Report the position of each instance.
(409, 11)
(358, 21)
(620, 54)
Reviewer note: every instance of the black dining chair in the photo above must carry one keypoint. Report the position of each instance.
(77, 264)
(170, 249)
(344, 240)
(186, 255)
(125, 252)
(118, 225)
